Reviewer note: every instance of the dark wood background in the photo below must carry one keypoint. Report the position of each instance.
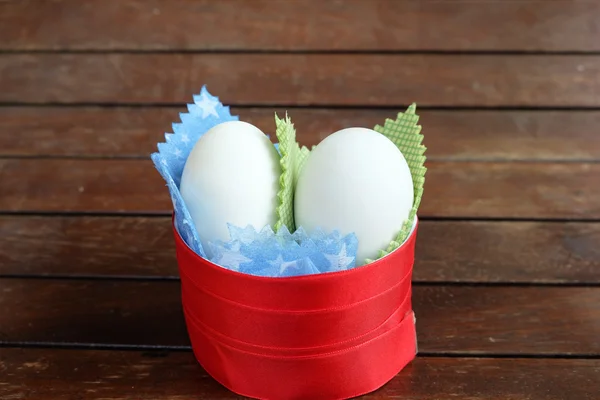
(507, 276)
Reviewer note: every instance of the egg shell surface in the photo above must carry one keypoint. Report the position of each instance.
(231, 176)
(355, 180)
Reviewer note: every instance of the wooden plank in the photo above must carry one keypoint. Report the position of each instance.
(300, 25)
(539, 252)
(526, 252)
(450, 135)
(44, 374)
(466, 189)
(87, 246)
(102, 312)
(304, 79)
(513, 190)
(82, 185)
(450, 319)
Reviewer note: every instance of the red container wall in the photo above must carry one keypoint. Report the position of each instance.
(326, 336)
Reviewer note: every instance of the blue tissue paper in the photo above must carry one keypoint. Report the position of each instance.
(206, 112)
(266, 253)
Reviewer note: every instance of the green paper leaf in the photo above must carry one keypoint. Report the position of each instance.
(406, 135)
(292, 160)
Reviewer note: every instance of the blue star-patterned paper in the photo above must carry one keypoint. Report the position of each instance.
(206, 112)
(264, 252)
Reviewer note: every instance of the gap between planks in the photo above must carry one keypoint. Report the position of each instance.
(187, 349)
(418, 283)
(465, 53)
(436, 159)
(165, 214)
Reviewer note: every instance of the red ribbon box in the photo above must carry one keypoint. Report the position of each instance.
(326, 336)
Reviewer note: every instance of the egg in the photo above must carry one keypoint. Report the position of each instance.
(231, 176)
(355, 180)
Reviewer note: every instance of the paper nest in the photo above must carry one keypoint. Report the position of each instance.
(279, 252)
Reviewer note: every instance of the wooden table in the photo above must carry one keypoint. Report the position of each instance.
(507, 276)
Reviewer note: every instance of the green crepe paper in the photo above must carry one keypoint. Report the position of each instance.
(292, 160)
(406, 135)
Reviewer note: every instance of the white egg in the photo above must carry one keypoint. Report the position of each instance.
(231, 176)
(356, 180)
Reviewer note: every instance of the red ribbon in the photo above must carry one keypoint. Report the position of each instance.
(326, 336)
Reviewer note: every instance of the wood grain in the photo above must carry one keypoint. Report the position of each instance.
(299, 25)
(304, 79)
(509, 94)
(44, 374)
(512, 190)
(87, 246)
(525, 252)
(539, 252)
(466, 189)
(82, 185)
(449, 135)
(102, 312)
(450, 319)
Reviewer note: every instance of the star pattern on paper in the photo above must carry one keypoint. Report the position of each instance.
(276, 262)
(236, 246)
(232, 259)
(266, 253)
(287, 265)
(283, 265)
(207, 105)
(341, 261)
(244, 235)
(205, 112)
